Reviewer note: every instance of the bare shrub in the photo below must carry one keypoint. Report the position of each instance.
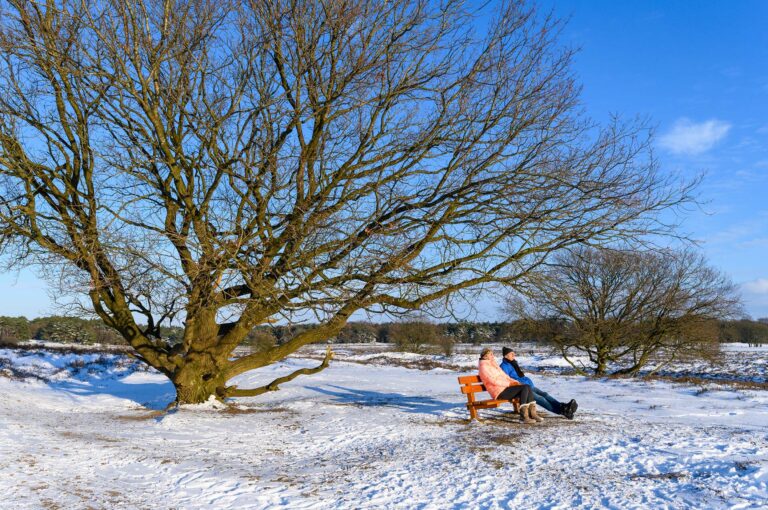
(445, 344)
(413, 336)
(421, 337)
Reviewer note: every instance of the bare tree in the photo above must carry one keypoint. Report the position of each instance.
(628, 308)
(227, 163)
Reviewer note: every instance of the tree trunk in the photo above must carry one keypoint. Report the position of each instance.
(600, 366)
(201, 376)
(634, 369)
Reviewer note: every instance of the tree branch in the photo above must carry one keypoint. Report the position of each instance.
(234, 391)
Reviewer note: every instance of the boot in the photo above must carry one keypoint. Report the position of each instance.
(569, 409)
(524, 416)
(534, 413)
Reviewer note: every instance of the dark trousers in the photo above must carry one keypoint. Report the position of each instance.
(519, 391)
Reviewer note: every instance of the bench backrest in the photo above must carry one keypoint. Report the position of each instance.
(471, 384)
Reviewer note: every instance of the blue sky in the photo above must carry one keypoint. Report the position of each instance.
(698, 71)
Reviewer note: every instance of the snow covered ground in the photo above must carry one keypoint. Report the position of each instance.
(735, 363)
(81, 431)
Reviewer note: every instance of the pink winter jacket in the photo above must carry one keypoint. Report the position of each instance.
(494, 378)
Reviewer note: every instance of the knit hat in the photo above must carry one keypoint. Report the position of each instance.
(505, 351)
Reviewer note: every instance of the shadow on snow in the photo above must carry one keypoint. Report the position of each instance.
(367, 398)
(148, 394)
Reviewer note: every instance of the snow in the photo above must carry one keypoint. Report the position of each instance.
(85, 430)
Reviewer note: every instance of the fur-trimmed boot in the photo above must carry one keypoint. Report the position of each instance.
(524, 416)
(534, 413)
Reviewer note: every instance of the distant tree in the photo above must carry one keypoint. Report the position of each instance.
(481, 333)
(105, 335)
(624, 307)
(503, 332)
(413, 336)
(64, 329)
(286, 333)
(536, 329)
(459, 331)
(744, 331)
(172, 335)
(229, 162)
(382, 333)
(261, 339)
(14, 329)
(358, 332)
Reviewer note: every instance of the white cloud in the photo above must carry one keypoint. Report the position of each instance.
(688, 137)
(759, 286)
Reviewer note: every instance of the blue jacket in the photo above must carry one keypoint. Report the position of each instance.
(510, 370)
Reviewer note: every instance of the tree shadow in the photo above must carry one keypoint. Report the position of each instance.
(367, 398)
(91, 374)
(151, 395)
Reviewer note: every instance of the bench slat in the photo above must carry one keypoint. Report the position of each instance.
(472, 388)
(470, 379)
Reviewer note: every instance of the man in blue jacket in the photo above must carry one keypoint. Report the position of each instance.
(512, 369)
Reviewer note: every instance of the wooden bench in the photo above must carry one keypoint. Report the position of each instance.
(471, 384)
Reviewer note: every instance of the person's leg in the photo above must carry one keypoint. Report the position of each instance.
(526, 395)
(547, 401)
(521, 392)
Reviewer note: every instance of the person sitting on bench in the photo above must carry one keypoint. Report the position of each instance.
(512, 369)
(502, 387)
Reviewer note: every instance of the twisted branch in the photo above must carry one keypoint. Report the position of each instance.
(233, 391)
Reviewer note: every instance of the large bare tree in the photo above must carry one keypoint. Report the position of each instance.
(627, 309)
(228, 163)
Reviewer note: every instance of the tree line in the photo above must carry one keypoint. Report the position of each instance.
(412, 336)
(61, 329)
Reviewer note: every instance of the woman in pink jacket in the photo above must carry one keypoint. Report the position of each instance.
(503, 387)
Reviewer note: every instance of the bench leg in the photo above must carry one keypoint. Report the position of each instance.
(472, 413)
(516, 405)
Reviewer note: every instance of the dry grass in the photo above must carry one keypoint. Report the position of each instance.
(50, 504)
(88, 437)
(74, 348)
(660, 476)
(708, 384)
(141, 416)
(448, 422)
(239, 409)
(505, 440)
